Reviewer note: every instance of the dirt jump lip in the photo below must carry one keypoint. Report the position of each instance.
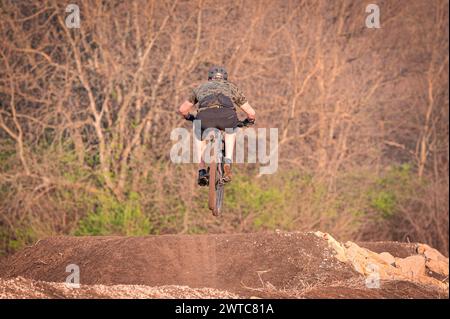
(276, 264)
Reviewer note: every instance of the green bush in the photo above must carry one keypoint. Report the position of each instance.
(111, 217)
(389, 191)
(384, 202)
(17, 239)
(267, 203)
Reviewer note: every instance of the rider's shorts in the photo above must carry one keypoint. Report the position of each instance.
(220, 118)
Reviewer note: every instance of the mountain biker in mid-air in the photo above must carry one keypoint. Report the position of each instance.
(217, 100)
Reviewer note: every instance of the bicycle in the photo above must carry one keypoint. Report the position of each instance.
(215, 170)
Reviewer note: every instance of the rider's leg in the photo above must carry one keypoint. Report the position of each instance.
(201, 164)
(202, 172)
(199, 146)
(230, 140)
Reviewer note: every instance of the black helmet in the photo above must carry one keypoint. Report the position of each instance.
(217, 73)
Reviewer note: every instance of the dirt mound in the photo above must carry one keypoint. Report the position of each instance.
(280, 265)
(230, 262)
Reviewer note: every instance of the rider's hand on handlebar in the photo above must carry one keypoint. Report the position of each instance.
(189, 117)
(250, 121)
(246, 122)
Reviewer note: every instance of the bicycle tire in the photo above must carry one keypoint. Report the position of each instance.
(212, 186)
(220, 189)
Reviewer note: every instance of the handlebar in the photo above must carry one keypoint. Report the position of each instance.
(244, 123)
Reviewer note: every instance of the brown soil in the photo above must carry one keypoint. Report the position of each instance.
(268, 265)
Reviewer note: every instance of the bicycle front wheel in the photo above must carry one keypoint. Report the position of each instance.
(212, 186)
(220, 190)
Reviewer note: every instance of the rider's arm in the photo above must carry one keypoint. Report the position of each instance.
(246, 107)
(185, 108)
(187, 105)
(241, 101)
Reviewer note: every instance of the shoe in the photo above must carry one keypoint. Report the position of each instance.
(227, 172)
(203, 179)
